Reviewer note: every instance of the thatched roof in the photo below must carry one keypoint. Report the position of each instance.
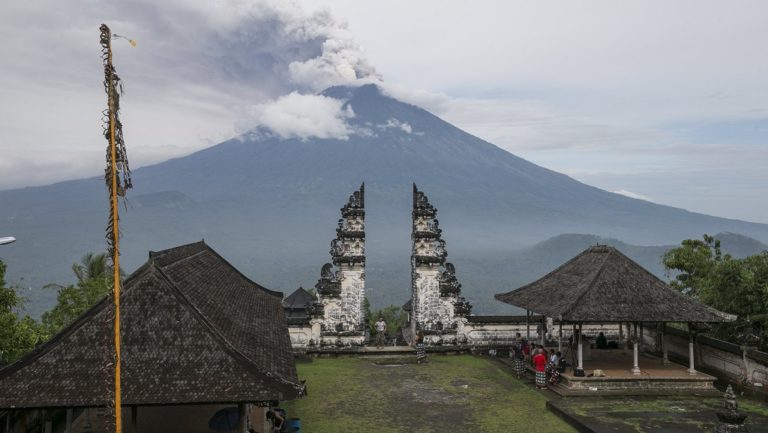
(603, 285)
(194, 330)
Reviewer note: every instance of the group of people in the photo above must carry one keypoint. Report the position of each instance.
(547, 365)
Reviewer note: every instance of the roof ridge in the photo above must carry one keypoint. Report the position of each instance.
(156, 254)
(518, 290)
(275, 293)
(594, 277)
(182, 259)
(224, 342)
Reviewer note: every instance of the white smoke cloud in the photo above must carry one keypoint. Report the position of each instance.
(200, 72)
(305, 116)
(342, 61)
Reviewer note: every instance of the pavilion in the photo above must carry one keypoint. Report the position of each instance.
(601, 285)
(197, 336)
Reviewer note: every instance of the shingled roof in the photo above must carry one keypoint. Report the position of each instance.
(298, 300)
(603, 285)
(194, 330)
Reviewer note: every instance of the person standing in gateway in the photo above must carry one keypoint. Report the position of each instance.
(381, 329)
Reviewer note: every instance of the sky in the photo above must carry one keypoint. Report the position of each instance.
(664, 101)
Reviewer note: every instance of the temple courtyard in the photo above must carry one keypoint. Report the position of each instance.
(480, 394)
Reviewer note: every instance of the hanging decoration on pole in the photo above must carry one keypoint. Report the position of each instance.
(118, 178)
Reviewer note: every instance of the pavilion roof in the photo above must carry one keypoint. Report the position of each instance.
(299, 299)
(194, 330)
(603, 285)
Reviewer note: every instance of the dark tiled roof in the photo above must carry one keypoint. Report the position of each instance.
(298, 299)
(603, 285)
(408, 306)
(194, 330)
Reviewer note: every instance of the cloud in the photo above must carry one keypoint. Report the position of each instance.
(193, 80)
(305, 116)
(631, 194)
(396, 124)
(431, 101)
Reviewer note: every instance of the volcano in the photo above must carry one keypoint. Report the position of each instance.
(270, 205)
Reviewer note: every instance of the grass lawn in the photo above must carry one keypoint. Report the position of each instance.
(449, 394)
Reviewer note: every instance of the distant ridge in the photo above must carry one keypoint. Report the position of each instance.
(513, 269)
(270, 205)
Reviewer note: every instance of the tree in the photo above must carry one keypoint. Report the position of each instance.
(94, 282)
(395, 317)
(736, 286)
(17, 335)
(694, 263)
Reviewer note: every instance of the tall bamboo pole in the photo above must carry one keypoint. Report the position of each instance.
(115, 240)
(117, 165)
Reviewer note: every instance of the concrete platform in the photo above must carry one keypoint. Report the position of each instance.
(655, 378)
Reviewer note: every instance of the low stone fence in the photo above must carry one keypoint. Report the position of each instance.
(473, 331)
(744, 367)
(309, 336)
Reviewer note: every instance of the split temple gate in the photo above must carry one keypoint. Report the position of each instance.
(600, 290)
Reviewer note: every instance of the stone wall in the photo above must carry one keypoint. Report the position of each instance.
(741, 366)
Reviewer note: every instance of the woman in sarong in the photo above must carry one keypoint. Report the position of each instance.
(540, 363)
(518, 357)
(421, 350)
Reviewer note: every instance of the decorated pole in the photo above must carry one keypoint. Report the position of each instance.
(118, 179)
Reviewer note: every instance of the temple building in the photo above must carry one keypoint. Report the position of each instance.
(603, 286)
(197, 337)
(296, 304)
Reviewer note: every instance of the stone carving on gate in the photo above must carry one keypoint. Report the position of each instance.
(337, 316)
(436, 307)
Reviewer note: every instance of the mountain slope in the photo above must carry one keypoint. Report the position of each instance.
(270, 205)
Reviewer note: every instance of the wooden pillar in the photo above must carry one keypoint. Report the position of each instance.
(664, 351)
(47, 422)
(134, 419)
(70, 419)
(543, 330)
(635, 350)
(629, 329)
(560, 339)
(242, 423)
(640, 338)
(621, 334)
(692, 367)
(8, 422)
(528, 325)
(581, 354)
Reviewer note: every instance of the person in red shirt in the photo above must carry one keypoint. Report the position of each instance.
(540, 363)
